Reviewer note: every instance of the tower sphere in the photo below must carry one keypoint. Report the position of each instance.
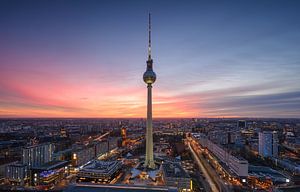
(149, 77)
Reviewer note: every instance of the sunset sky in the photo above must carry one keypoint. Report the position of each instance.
(212, 58)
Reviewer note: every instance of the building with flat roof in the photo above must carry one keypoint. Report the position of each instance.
(3, 165)
(175, 176)
(49, 173)
(17, 173)
(118, 188)
(237, 165)
(83, 155)
(37, 155)
(99, 171)
(263, 172)
(268, 144)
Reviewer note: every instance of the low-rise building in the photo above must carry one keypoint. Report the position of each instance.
(175, 176)
(49, 174)
(99, 171)
(17, 173)
(236, 164)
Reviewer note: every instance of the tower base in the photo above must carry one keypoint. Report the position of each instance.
(149, 164)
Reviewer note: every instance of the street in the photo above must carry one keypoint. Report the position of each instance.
(212, 185)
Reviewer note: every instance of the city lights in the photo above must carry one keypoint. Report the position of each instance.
(156, 96)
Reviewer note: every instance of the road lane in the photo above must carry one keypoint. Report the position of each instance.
(212, 185)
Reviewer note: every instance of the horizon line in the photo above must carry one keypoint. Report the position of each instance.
(1, 118)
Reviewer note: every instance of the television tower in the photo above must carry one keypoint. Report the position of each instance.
(149, 78)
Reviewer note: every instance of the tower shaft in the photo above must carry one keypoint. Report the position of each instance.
(149, 161)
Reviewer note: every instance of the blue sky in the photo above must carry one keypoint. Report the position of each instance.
(212, 58)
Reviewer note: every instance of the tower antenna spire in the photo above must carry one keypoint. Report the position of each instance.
(149, 43)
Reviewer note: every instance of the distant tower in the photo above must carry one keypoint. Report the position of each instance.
(149, 78)
(241, 124)
(63, 132)
(123, 134)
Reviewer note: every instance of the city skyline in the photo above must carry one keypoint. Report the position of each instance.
(63, 59)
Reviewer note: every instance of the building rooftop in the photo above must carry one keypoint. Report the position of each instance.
(101, 166)
(174, 170)
(36, 145)
(52, 165)
(267, 172)
(8, 160)
(116, 188)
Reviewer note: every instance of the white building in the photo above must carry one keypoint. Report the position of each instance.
(37, 155)
(236, 164)
(268, 144)
(99, 171)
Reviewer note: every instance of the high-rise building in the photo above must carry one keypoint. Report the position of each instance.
(124, 136)
(241, 124)
(37, 155)
(123, 133)
(63, 132)
(268, 144)
(149, 78)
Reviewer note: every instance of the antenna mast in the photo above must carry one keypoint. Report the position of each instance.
(149, 45)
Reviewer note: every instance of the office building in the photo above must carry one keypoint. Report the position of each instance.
(17, 174)
(268, 144)
(241, 124)
(99, 171)
(37, 155)
(83, 155)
